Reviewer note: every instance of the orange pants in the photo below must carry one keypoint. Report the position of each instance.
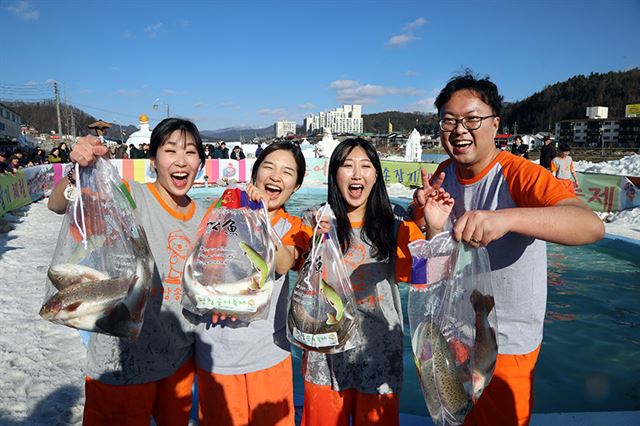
(568, 183)
(167, 400)
(323, 406)
(508, 400)
(264, 397)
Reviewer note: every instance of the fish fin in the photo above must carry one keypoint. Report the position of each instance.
(255, 283)
(72, 307)
(489, 303)
(331, 319)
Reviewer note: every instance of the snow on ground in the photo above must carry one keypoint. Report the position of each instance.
(626, 166)
(42, 363)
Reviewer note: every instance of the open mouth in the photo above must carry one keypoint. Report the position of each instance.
(180, 179)
(461, 146)
(356, 190)
(272, 191)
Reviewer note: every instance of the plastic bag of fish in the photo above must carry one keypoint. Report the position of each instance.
(322, 313)
(100, 275)
(232, 268)
(453, 325)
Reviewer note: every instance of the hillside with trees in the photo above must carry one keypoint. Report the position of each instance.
(403, 122)
(570, 99)
(43, 117)
(538, 112)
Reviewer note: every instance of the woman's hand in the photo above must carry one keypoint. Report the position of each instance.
(86, 150)
(215, 317)
(256, 194)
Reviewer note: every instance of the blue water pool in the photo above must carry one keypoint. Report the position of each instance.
(590, 356)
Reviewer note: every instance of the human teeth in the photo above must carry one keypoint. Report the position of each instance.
(180, 174)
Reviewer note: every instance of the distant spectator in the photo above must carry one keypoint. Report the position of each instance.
(54, 156)
(562, 168)
(120, 151)
(523, 150)
(207, 151)
(224, 149)
(135, 152)
(515, 146)
(237, 153)
(547, 152)
(3, 162)
(64, 152)
(14, 164)
(259, 150)
(38, 157)
(145, 150)
(216, 152)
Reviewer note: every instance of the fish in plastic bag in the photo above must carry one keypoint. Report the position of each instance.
(453, 325)
(232, 268)
(322, 313)
(100, 275)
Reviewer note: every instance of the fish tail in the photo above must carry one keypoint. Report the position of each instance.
(331, 319)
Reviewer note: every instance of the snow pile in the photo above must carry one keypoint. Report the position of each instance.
(626, 166)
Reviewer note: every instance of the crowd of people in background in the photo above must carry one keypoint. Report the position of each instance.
(14, 159)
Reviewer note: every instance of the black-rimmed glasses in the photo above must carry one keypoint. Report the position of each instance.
(470, 123)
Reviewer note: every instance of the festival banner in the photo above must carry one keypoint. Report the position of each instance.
(602, 193)
(606, 193)
(14, 192)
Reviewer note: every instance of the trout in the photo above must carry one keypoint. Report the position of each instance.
(444, 392)
(485, 346)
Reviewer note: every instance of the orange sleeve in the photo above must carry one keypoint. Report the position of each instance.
(530, 185)
(299, 236)
(554, 168)
(408, 232)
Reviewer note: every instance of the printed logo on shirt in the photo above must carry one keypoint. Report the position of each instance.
(178, 246)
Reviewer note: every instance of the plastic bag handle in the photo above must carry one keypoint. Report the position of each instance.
(78, 203)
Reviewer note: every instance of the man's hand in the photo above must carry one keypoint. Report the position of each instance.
(480, 227)
(434, 203)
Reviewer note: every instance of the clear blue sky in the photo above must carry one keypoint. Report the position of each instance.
(229, 63)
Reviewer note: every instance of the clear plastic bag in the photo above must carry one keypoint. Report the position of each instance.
(100, 275)
(453, 325)
(322, 313)
(232, 268)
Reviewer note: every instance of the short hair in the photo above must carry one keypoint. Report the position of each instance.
(546, 138)
(518, 137)
(486, 90)
(565, 147)
(166, 127)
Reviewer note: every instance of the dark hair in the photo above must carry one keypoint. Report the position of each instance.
(546, 138)
(169, 125)
(378, 216)
(301, 164)
(564, 147)
(486, 90)
(55, 148)
(517, 137)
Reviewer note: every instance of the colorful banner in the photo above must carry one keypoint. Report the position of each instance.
(14, 192)
(607, 193)
(602, 193)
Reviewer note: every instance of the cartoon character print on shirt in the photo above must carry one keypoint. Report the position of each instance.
(364, 276)
(178, 248)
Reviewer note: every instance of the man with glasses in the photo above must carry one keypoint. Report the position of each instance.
(512, 207)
